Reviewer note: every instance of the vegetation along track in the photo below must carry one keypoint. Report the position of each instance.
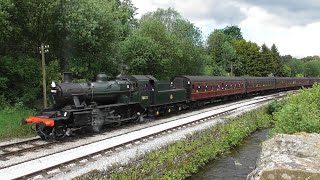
(49, 165)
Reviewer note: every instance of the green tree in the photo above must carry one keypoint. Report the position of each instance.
(222, 52)
(266, 65)
(296, 66)
(278, 68)
(248, 56)
(143, 56)
(233, 31)
(173, 42)
(312, 68)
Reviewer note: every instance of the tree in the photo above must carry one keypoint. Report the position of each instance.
(312, 68)
(233, 31)
(143, 51)
(173, 42)
(296, 66)
(248, 56)
(221, 51)
(278, 68)
(266, 65)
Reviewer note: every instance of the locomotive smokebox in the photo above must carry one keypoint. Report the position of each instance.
(67, 77)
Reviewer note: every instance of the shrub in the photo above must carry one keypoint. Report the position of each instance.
(275, 106)
(300, 113)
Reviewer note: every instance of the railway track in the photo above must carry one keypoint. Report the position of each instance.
(18, 149)
(49, 165)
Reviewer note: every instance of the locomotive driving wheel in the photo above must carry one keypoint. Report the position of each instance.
(43, 131)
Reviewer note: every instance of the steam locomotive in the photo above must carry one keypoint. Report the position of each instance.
(131, 98)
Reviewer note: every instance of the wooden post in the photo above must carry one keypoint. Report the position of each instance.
(44, 83)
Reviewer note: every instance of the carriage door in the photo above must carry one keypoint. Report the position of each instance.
(187, 85)
(151, 90)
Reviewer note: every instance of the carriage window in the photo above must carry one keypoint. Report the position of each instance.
(218, 87)
(222, 86)
(199, 87)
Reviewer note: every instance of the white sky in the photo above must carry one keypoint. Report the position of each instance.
(293, 26)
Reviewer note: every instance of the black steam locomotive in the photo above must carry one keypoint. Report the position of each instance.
(131, 98)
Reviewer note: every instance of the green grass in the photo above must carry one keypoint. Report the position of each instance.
(10, 123)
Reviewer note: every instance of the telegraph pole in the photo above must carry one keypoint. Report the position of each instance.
(44, 49)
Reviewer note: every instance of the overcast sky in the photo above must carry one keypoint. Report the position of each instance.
(293, 25)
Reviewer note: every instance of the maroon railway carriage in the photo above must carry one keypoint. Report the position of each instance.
(258, 84)
(294, 83)
(299, 82)
(285, 82)
(313, 81)
(208, 87)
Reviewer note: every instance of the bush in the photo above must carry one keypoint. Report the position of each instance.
(275, 106)
(300, 113)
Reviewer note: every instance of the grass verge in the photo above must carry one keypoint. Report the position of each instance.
(180, 159)
(10, 123)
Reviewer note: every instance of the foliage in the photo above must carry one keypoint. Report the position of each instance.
(248, 55)
(142, 55)
(21, 80)
(221, 51)
(301, 112)
(10, 122)
(304, 67)
(296, 66)
(278, 68)
(312, 68)
(162, 42)
(233, 31)
(275, 106)
(84, 37)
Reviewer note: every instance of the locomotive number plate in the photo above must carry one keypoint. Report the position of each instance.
(144, 97)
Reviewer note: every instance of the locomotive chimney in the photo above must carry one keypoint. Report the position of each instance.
(67, 77)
